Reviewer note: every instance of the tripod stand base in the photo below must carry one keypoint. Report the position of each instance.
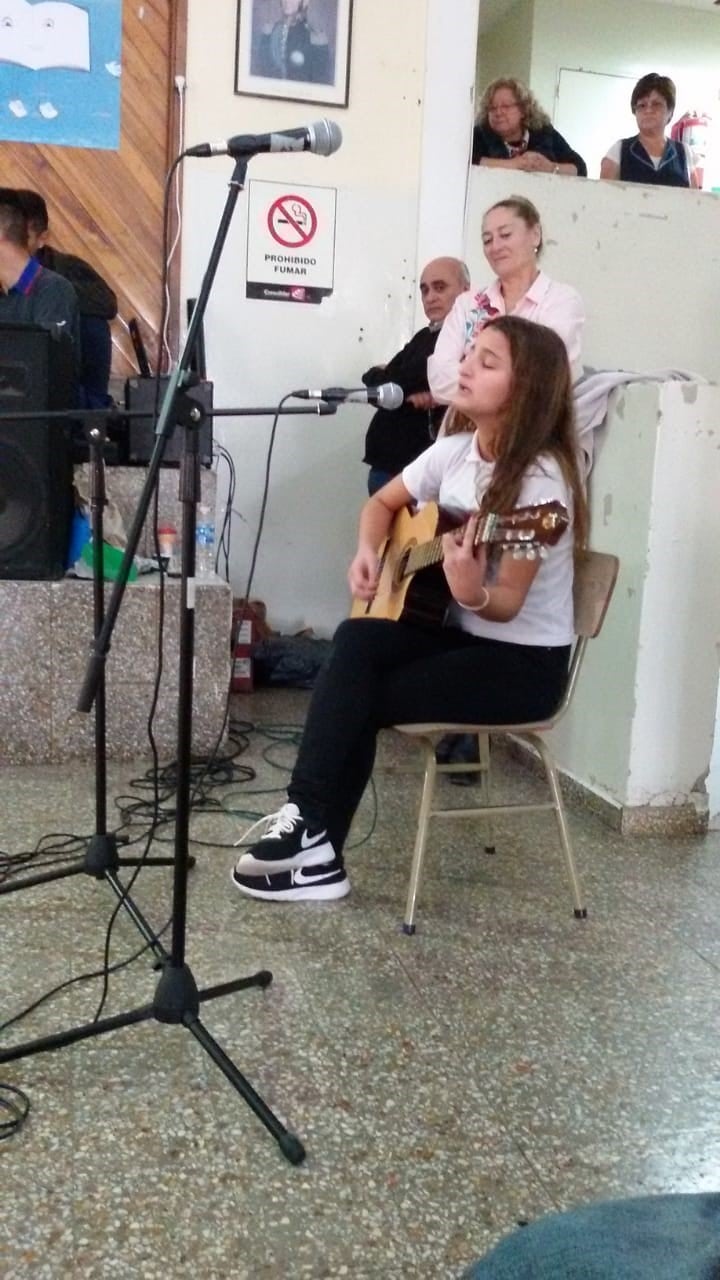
(177, 1001)
(101, 858)
(102, 855)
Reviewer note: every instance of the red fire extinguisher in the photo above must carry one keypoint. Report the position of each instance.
(693, 129)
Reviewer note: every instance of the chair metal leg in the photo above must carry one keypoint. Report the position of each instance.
(559, 808)
(484, 752)
(421, 836)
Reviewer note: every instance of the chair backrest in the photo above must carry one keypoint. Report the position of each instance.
(594, 582)
(595, 577)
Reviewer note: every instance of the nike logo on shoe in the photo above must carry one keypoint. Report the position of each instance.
(257, 863)
(308, 841)
(286, 844)
(300, 876)
(295, 885)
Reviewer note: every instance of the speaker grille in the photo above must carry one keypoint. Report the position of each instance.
(22, 499)
(36, 373)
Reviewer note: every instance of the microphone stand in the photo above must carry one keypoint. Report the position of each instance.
(101, 858)
(177, 998)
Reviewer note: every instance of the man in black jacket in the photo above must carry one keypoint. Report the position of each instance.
(397, 436)
(96, 300)
(29, 293)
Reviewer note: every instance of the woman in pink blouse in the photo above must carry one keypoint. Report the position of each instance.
(512, 240)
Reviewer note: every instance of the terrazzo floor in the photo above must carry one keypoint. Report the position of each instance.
(505, 1061)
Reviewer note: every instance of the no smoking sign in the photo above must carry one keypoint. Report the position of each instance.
(291, 242)
(292, 221)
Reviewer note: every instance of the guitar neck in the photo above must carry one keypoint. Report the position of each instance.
(431, 552)
(524, 530)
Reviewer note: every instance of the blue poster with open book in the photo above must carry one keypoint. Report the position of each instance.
(60, 72)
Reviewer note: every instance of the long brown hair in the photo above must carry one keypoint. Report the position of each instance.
(539, 418)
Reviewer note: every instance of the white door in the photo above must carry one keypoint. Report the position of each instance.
(592, 110)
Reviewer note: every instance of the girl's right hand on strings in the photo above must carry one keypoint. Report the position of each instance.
(363, 574)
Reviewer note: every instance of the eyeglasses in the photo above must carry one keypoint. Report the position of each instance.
(499, 107)
(651, 104)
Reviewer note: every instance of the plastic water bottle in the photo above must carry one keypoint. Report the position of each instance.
(204, 544)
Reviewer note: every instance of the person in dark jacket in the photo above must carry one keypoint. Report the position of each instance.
(30, 293)
(513, 132)
(395, 437)
(96, 300)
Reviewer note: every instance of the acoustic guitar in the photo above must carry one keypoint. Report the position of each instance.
(413, 587)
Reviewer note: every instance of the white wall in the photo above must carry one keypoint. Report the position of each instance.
(640, 731)
(627, 39)
(257, 351)
(446, 135)
(505, 48)
(673, 726)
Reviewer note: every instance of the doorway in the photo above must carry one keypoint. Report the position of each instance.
(592, 110)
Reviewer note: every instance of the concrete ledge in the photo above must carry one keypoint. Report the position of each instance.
(45, 636)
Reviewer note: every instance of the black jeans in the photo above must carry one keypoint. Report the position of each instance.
(383, 673)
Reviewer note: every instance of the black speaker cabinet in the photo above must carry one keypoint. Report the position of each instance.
(36, 372)
(139, 395)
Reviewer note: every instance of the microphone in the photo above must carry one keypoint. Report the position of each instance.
(387, 396)
(323, 137)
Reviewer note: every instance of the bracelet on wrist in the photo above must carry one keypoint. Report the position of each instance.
(476, 608)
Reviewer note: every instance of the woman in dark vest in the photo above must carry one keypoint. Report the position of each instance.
(649, 156)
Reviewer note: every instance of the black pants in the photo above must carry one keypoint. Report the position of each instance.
(383, 673)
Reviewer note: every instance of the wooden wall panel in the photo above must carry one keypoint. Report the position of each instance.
(106, 206)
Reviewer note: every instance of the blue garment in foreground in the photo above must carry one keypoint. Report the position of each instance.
(673, 1237)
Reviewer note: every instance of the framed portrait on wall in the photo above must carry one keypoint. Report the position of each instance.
(294, 49)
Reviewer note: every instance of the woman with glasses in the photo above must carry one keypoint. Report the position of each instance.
(513, 132)
(649, 156)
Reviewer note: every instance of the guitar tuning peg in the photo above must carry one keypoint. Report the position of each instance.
(531, 553)
(543, 552)
(518, 552)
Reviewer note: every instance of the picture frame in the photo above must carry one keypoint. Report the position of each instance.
(298, 50)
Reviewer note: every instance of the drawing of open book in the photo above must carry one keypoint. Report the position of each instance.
(53, 33)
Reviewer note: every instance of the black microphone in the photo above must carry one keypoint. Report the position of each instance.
(387, 396)
(323, 137)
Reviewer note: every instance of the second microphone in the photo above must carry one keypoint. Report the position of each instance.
(387, 396)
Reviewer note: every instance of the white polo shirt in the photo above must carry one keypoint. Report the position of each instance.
(454, 474)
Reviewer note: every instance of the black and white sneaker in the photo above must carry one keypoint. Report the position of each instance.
(323, 883)
(286, 843)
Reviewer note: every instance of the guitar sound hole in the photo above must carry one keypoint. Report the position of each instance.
(401, 567)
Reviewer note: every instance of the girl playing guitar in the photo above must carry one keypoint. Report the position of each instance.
(501, 656)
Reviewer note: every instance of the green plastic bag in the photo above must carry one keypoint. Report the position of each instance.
(112, 559)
